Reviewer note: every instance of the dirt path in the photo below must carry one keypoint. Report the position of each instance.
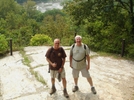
(113, 78)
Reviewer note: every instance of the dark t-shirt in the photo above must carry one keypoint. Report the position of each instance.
(56, 56)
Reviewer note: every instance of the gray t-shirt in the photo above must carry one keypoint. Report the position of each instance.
(78, 53)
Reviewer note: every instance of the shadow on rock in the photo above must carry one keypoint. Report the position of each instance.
(75, 96)
(85, 96)
(57, 96)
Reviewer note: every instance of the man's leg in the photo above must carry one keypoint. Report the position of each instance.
(75, 76)
(91, 84)
(53, 89)
(64, 82)
(64, 86)
(90, 81)
(85, 73)
(76, 81)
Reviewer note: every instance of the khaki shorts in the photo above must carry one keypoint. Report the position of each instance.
(53, 73)
(84, 72)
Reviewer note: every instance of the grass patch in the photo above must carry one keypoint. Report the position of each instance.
(27, 62)
(38, 77)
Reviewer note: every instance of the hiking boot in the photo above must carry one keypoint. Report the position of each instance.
(65, 93)
(52, 91)
(75, 89)
(93, 90)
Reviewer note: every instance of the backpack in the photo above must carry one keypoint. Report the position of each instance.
(84, 56)
(51, 50)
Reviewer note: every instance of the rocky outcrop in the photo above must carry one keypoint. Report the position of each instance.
(113, 78)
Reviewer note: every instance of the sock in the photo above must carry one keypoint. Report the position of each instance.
(92, 86)
(53, 86)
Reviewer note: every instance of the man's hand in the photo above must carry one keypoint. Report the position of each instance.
(54, 64)
(71, 65)
(60, 70)
(88, 67)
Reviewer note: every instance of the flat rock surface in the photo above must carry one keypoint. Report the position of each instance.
(112, 78)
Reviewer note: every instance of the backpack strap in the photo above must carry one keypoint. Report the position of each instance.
(51, 50)
(73, 46)
(84, 46)
(79, 60)
(61, 49)
(82, 58)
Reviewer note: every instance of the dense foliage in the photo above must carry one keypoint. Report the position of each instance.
(3, 44)
(107, 22)
(102, 23)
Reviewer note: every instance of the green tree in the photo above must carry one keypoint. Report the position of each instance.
(128, 6)
(30, 8)
(55, 28)
(55, 24)
(106, 21)
(8, 6)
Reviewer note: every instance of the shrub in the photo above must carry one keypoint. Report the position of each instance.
(3, 44)
(131, 51)
(40, 39)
